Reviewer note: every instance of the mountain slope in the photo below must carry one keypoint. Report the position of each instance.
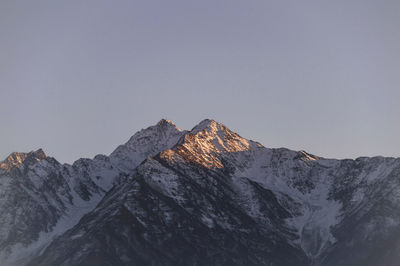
(180, 208)
(210, 197)
(41, 198)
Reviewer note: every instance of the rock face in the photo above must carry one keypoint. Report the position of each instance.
(201, 197)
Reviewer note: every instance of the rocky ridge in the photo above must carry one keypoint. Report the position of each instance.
(199, 197)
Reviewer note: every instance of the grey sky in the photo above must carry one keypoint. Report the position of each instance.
(78, 78)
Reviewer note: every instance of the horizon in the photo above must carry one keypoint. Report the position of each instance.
(40, 149)
(79, 78)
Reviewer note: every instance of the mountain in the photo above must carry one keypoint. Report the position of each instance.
(201, 197)
(41, 198)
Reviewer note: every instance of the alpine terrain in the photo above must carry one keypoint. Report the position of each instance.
(205, 196)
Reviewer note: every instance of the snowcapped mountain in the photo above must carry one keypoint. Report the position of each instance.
(41, 198)
(145, 143)
(201, 197)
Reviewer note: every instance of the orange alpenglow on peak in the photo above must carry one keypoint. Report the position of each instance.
(16, 159)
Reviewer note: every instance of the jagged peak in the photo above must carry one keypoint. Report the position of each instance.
(147, 142)
(38, 154)
(164, 126)
(209, 125)
(165, 121)
(206, 143)
(16, 159)
(213, 129)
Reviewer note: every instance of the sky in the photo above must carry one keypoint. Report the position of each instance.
(78, 78)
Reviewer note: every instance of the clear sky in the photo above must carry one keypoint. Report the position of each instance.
(79, 77)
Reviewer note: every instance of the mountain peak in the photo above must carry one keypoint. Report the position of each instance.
(40, 154)
(209, 125)
(166, 124)
(16, 159)
(147, 142)
(207, 143)
(165, 121)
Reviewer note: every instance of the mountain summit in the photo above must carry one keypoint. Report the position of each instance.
(146, 142)
(16, 159)
(205, 196)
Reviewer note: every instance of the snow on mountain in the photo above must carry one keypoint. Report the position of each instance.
(41, 198)
(147, 142)
(204, 196)
(179, 207)
(16, 159)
